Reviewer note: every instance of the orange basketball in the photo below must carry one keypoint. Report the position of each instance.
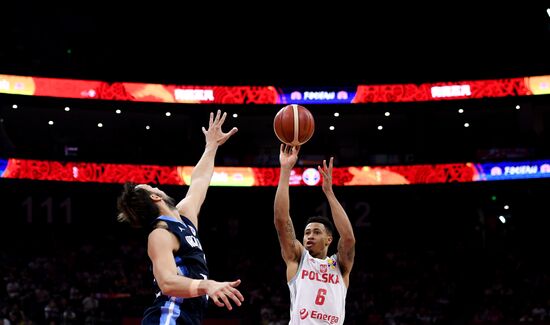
(294, 125)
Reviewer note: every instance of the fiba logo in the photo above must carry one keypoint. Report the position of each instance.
(303, 313)
(311, 176)
(296, 95)
(342, 95)
(496, 171)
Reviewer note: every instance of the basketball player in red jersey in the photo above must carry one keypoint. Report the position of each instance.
(318, 283)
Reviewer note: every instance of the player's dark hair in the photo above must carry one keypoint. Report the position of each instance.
(136, 207)
(325, 221)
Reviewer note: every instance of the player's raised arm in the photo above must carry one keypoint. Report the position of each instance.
(291, 248)
(203, 171)
(346, 244)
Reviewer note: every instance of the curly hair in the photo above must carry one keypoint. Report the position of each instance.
(135, 206)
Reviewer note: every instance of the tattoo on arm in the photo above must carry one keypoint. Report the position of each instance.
(348, 254)
(351, 253)
(346, 257)
(290, 232)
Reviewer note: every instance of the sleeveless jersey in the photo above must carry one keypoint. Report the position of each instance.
(191, 262)
(317, 292)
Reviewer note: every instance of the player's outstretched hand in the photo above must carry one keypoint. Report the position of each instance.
(214, 133)
(221, 292)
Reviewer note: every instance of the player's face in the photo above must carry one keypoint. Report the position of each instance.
(155, 190)
(316, 238)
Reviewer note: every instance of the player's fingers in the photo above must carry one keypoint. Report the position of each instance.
(224, 115)
(235, 283)
(331, 162)
(211, 119)
(217, 301)
(288, 149)
(232, 296)
(237, 294)
(226, 302)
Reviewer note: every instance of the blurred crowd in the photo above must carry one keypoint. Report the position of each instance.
(102, 277)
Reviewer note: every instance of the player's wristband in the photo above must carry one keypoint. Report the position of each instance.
(194, 288)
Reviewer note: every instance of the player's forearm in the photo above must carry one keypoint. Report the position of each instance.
(340, 218)
(282, 200)
(205, 165)
(202, 175)
(184, 287)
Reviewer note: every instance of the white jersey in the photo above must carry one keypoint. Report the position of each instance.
(317, 292)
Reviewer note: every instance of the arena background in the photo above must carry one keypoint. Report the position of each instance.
(426, 253)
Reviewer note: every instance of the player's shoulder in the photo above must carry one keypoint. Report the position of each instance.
(162, 236)
(160, 224)
(161, 228)
(186, 221)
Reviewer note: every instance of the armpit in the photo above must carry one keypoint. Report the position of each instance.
(161, 225)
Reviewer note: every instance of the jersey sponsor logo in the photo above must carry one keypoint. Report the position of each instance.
(321, 277)
(303, 313)
(314, 314)
(180, 228)
(331, 319)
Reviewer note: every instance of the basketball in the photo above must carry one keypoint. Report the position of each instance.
(294, 125)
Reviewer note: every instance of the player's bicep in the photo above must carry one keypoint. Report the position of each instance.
(346, 256)
(189, 207)
(291, 248)
(160, 247)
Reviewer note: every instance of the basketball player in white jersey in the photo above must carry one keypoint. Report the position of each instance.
(318, 283)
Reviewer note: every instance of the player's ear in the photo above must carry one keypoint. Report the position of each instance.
(155, 197)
